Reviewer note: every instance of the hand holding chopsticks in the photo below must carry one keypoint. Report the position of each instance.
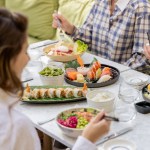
(110, 118)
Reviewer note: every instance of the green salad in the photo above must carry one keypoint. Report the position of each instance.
(81, 46)
(49, 71)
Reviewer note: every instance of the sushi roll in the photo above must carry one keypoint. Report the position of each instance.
(77, 92)
(43, 93)
(51, 93)
(60, 92)
(104, 78)
(85, 90)
(36, 93)
(27, 92)
(68, 92)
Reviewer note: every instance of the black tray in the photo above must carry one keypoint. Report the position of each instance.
(115, 77)
(53, 100)
(143, 91)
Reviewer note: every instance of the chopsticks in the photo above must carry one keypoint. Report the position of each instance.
(110, 118)
(148, 35)
(27, 80)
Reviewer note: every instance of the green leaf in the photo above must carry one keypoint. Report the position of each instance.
(72, 64)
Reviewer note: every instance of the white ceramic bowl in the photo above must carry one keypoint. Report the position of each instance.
(72, 132)
(99, 103)
(53, 80)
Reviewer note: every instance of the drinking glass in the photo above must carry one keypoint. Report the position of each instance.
(127, 92)
(124, 106)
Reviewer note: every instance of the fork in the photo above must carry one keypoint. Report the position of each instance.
(45, 121)
(62, 34)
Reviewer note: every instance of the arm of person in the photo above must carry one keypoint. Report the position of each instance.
(142, 26)
(95, 130)
(147, 51)
(16, 132)
(83, 33)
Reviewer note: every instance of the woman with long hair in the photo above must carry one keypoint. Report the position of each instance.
(16, 130)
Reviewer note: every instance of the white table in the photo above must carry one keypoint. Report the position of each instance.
(140, 135)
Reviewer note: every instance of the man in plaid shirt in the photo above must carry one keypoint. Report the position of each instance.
(115, 30)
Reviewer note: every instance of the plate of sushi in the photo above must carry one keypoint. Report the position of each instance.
(94, 75)
(65, 51)
(51, 94)
(146, 93)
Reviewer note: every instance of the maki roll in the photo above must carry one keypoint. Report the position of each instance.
(36, 93)
(84, 90)
(60, 92)
(68, 92)
(51, 93)
(43, 93)
(27, 94)
(77, 92)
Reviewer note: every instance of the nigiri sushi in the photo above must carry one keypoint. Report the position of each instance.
(60, 92)
(104, 78)
(83, 70)
(91, 75)
(36, 93)
(80, 78)
(51, 93)
(68, 92)
(106, 71)
(43, 93)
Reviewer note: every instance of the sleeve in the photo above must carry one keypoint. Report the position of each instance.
(84, 144)
(5, 128)
(85, 32)
(15, 132)
(28, 139)
(142, 26)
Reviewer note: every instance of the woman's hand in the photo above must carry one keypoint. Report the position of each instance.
(96, 128)
(65, 24)
(147, 51)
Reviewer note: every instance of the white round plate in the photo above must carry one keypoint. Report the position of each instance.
(119, 144)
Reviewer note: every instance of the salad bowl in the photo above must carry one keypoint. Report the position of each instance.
(73, 121)
(64, 52)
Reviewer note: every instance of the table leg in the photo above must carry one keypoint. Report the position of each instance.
(47, 142)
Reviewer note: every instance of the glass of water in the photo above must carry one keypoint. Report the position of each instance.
(124, 107)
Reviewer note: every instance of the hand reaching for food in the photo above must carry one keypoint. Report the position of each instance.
(96, 128)
(65, 24)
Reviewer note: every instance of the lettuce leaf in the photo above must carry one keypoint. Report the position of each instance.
(80, 46)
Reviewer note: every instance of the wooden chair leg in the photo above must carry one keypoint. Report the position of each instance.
(47, 142)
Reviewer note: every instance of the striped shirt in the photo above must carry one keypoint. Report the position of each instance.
(119, 37)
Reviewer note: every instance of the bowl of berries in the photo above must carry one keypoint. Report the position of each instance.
(73, 121)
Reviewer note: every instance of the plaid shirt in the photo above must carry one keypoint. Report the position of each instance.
(119, 37)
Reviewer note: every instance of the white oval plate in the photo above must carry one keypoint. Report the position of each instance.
(119, 144)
